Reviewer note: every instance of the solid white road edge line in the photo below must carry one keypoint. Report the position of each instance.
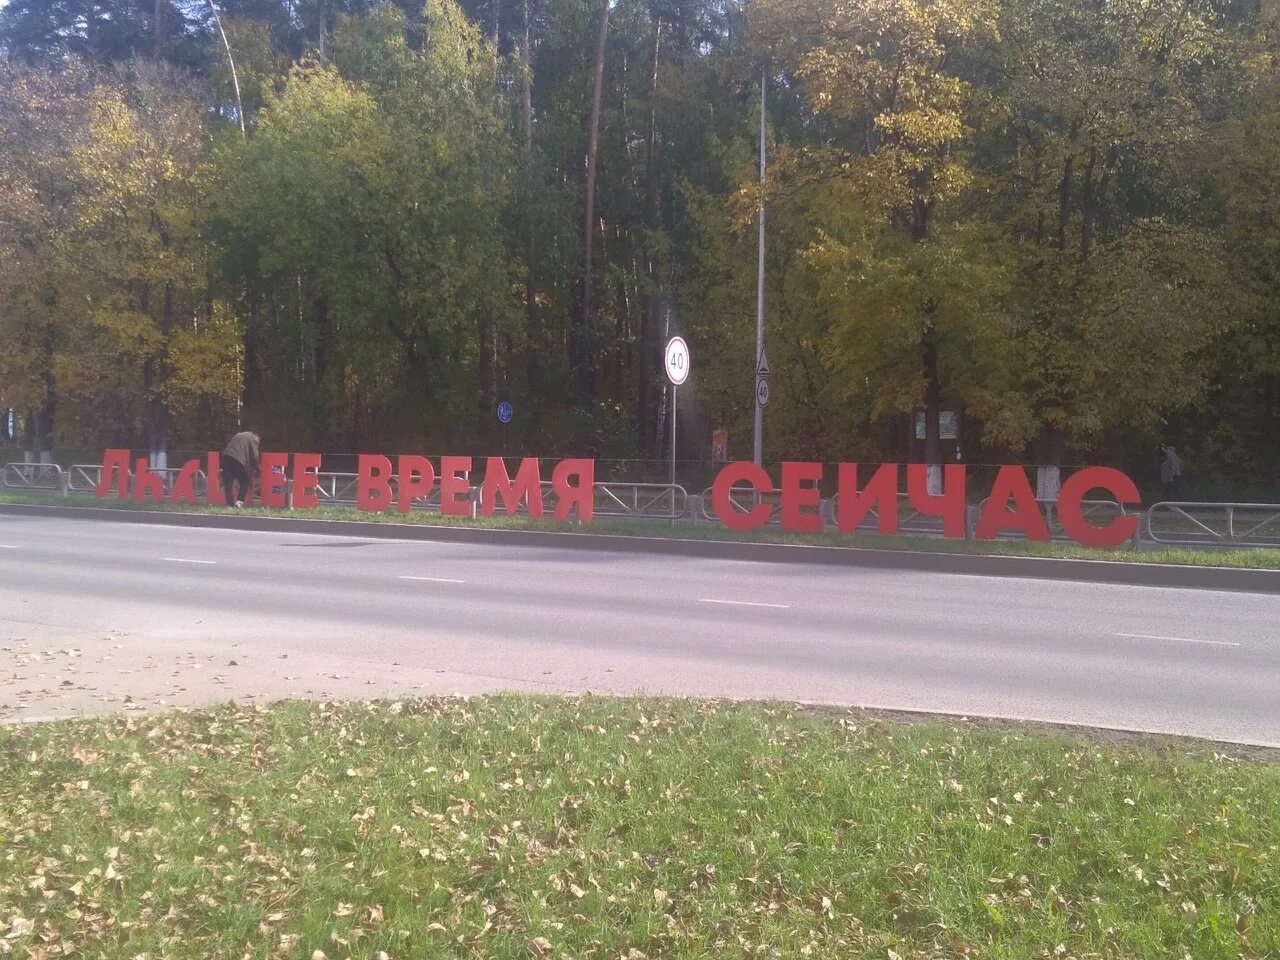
(432, 580)
(1145, 636)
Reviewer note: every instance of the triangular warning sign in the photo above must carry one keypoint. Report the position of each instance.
(762, 368)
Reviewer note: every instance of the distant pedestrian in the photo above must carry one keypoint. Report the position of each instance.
(240, 463)
(1171, 475)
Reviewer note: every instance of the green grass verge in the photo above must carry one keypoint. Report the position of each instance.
(1250, 558)
(506, 828)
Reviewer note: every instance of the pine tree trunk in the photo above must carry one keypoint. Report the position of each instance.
(932, 413)
(532, 371)
(581, 359)
(651, 313)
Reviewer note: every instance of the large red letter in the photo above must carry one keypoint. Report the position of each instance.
(417, 477)
(1070, 515)
(949, 505)
(214, 495)
(455, 486)
(373, 489)
(306, 466)
(274, 466)
(570, 496)
(527, 487)
(115, 470)
(732, 474)
(184, 486)
(146, 485)
(1012, 483)
(881, 492)
(799, 489)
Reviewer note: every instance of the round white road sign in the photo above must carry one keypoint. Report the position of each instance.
(762, 391)
(677, 361)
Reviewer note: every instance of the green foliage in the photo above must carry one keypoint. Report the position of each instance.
(1055, 217)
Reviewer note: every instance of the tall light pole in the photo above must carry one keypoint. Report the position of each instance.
(235, 79)
(759, 434)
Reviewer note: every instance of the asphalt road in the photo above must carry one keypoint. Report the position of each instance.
(97, 616)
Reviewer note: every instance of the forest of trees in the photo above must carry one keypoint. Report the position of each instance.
(360, 224)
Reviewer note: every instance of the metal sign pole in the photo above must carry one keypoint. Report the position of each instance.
(674, 388)
(759, 423)
(678, 364)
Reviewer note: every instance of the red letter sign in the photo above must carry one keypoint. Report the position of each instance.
(580, 496)
(305, 484)
(184, 487)
(274, 466)
(373, 490)
(526, 489)
(115, 469)
(1070, 515)
(214, 495)
(1012, 483)
(146, 485)
(881, 492)
(455, 486)
(721, 501)
(799, 490)
(949, 505)
(417, 477)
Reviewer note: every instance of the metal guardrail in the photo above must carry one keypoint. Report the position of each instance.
(84, 477)
(1111, 509)
(32, 476)
(744, 499)
(641, 501)
(1224, 524)
(339, 488)
(910, 520)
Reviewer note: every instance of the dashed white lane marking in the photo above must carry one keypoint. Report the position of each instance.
(5, 546)
(206, 563)
(746, 603)
(1145, 636)
(433, 580)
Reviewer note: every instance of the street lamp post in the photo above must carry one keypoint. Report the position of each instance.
(759, 358)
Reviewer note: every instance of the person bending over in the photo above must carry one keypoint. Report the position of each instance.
(240, 463)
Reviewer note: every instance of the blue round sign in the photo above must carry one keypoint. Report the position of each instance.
(505, 413)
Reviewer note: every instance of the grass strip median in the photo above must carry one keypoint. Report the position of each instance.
(1252, 558)
(511, 827)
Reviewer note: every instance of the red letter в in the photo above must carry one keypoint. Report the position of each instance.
(373, 489)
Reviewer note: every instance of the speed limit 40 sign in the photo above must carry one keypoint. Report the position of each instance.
(677, 361)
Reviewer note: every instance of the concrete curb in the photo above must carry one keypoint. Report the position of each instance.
(918, 561)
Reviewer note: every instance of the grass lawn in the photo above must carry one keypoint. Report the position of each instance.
(1251, 558)
(514, 828)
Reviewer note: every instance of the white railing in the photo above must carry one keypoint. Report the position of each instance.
(1224, 524)
(33, 476)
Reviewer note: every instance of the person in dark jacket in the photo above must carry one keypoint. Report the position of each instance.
(240, 464)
